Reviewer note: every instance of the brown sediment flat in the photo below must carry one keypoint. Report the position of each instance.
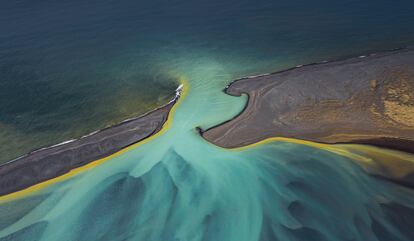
(51, 162)
(365, 100)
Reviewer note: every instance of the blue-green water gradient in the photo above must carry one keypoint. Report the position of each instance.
(86, 55)
(69, 68)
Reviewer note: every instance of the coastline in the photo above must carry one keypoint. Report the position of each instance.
(223, 135)
(49, 163)
(365, 100)
(56, 162)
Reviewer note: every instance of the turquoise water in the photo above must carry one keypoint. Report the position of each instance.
(177, 186)
(69, 68)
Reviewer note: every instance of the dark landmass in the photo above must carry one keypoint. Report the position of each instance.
(366, 100)
(51, 162)
(362, 100)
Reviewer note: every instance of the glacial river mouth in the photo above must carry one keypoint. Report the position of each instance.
(177, 186)
(82, 65)
(85, 66)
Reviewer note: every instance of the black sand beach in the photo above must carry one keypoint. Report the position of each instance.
(362, 100)
(365, 100)
(51, 162)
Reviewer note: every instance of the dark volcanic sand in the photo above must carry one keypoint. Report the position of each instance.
(54, 161)
(366, 100)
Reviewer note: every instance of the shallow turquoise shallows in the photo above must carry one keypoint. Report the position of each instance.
(69, 67)
(179, 187)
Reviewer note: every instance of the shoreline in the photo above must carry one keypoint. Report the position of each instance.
(333, 60)
(383, 141)
(366, 100)
(31, 169)
(53, 162)
(172, 101)
(379, 141)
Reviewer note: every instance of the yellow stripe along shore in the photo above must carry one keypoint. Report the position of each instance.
(75, 171)
(368, 157)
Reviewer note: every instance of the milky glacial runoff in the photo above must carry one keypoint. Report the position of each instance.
(67, 69)
(177, 186)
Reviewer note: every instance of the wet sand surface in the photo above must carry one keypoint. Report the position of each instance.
(51, 162)
(365, 100)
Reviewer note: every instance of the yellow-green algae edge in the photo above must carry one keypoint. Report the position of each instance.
(372, 159)
(363, 155)
(31, 189)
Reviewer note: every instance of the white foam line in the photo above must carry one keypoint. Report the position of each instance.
(93, 132)
(59, 144)
(177, 94)
(255, 76)
(129, 119)
(40, 149)
(178, 90)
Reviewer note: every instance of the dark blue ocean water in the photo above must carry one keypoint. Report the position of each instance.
(70, 67)
(67, 68)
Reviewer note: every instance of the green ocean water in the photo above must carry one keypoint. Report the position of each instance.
(78, 63)
(179, 187)
(69, 68)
